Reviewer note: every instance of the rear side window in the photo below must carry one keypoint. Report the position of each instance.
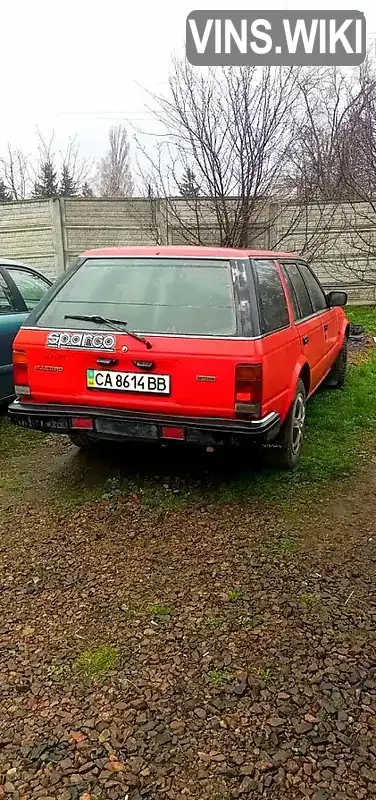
(272, 298)
(314, 289)
(298, 291)
(152, 295)
(30, 286)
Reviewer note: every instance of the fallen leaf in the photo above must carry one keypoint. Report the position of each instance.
(114, 765)
(77, 736)
(28, 631)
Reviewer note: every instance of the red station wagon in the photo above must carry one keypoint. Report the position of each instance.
(208, 346)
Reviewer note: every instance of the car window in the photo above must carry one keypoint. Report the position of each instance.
(32, 287)
(153, 295)
(272, 298)
(292, 293)
(302, 306)
(314, 289)
(6, 300)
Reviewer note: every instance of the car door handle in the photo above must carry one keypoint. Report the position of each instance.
(326, 327)
(305, 339)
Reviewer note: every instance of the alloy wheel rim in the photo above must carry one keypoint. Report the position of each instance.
(298, 424)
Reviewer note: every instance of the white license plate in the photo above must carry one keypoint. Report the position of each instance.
(128, 381)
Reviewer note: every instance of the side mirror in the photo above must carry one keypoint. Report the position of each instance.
(336, 299)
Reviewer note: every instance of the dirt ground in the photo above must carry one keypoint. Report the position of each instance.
(154, 645)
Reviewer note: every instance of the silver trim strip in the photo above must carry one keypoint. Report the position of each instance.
(189, 257)
(146, 333)
(270, 416)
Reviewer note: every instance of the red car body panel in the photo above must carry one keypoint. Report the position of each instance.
(202, 368)
(185, 359)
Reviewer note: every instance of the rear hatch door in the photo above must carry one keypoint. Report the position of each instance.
(188, 310)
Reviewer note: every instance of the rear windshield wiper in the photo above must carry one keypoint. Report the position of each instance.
(113, 323)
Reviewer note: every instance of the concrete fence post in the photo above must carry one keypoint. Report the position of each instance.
(58, 234)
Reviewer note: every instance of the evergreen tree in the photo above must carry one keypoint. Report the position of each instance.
(189, 186)
(46, 184)
(5, 194)
(68, 186)
(86, 190)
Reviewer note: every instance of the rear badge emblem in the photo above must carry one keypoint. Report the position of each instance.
(206, 378)
(84, 341)
(48, 368)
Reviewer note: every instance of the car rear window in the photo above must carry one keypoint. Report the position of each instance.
(153, 295)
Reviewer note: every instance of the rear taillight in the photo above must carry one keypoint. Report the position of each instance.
(248, 390)
(20, 373)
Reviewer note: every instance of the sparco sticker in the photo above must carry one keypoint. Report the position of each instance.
(85, 341)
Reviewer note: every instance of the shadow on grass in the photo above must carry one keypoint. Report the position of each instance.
(341, 427)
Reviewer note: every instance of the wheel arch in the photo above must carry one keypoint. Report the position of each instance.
(305, 376)
(301, 372)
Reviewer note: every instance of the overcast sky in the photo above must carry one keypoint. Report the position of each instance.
(78, 66)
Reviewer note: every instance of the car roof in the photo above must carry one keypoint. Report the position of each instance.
(7, 262)
(182, 250)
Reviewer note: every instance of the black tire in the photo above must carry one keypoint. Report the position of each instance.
(337, 375)
(83, 441)
(285, 450)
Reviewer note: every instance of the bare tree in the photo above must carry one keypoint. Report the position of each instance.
(16, 173)
(313, 169)
(334, 164)
(114, 173)
(358, 172)
(79, 168)
(232, 129)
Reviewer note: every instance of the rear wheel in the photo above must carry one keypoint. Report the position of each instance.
(287, 446)
(337, 374)
(83, 441)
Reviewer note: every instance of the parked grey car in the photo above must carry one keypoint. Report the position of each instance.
(21, 288)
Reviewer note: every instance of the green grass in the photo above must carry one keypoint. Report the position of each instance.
(234, 595)
(217, 677)
(340, 429)
(310, 601)
(94, 664)
(249, 621)
(266, 674)
(213, 624)
(58, 671)
(363, 315)
(159, 610)
(15, 440)
(282, 546)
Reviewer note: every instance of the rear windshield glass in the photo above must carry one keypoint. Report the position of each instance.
(186, 296)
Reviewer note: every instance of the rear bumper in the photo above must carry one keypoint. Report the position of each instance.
(113, 424)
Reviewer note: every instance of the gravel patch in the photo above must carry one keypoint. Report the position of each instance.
(235, 644)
